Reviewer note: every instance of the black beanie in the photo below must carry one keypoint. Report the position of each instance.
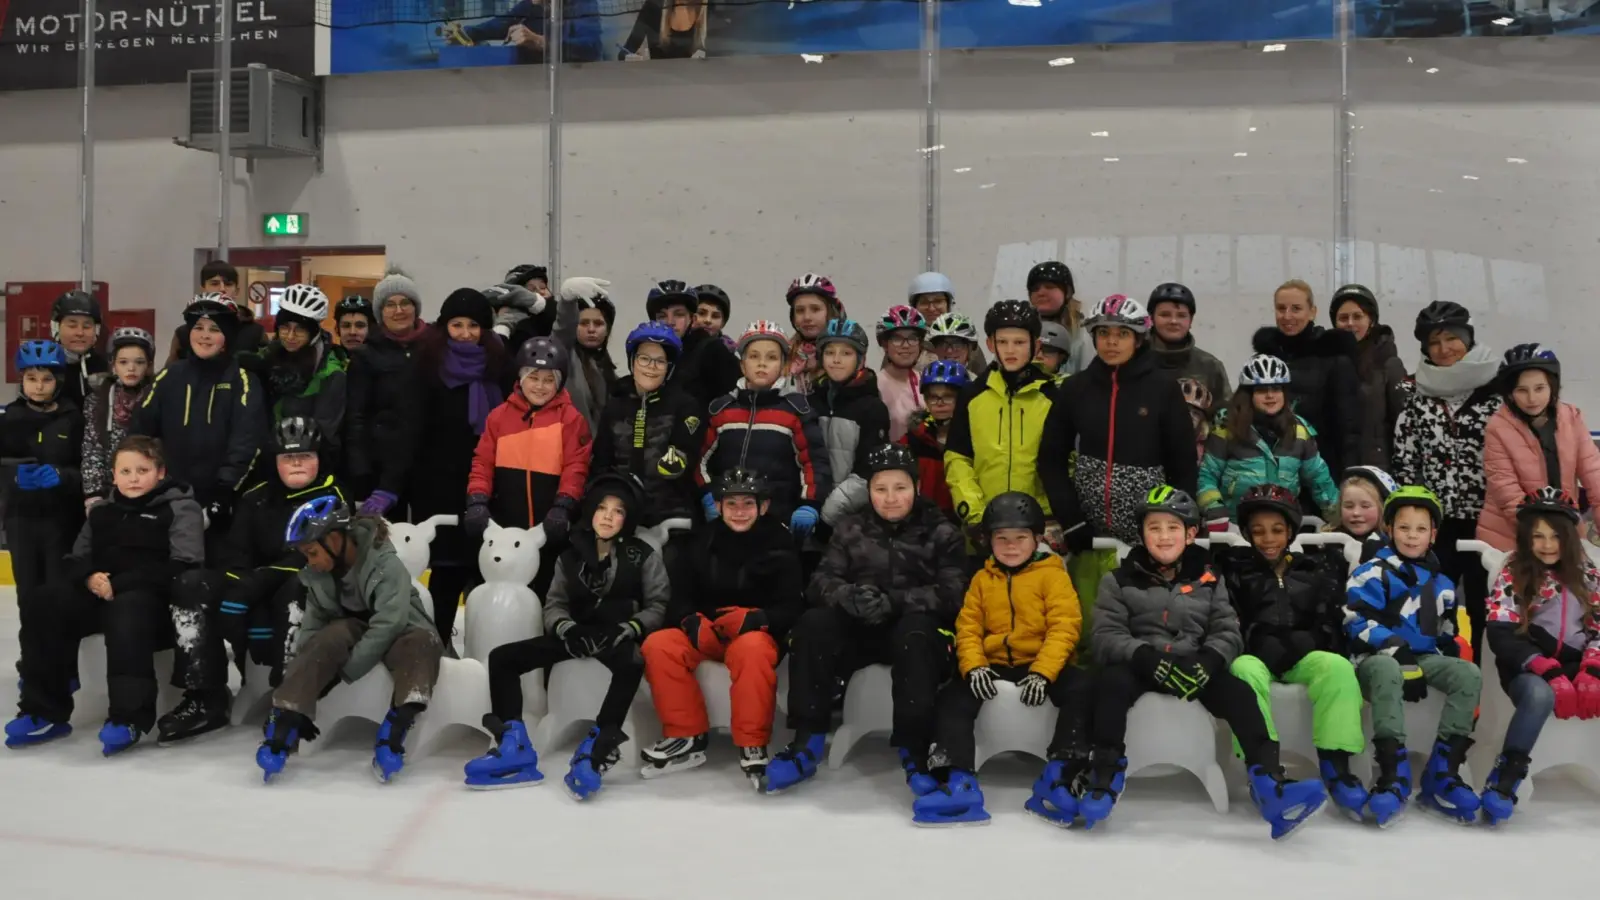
(1360, 295)
(614, 483)
(466, 303)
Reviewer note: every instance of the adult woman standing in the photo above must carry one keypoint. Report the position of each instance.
(1379, 372)
(1439, 440)
(381, 427)
(463, 374)
(1322, 369)
(1051, 292)
(1533, 441)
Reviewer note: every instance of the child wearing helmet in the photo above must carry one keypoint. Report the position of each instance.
(652, 430)
(247, 597)
(302, 369)
(952, 336)
(994, 436)
(41, 439)
(943, 383)
(1052, 292)
(886, 591)
(1544, 629)
(75, 324)
(353, 321)
(705, 369)
(1172, 311)
(900, 334)
(1019, 625)
(850, 415)
(1291, 607)
(736, 591)
(1533, 440)
(108, 413)
(533, 458)
(1408, 635)
(813, 302)
(1163, 624)
(1362, 492)
(1259, 440)
(762, 428)
(116, 581)
(933, 295)
(1055, 346)
(362, 610)
(610, 591)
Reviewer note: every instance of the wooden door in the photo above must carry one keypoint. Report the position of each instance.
(338, 287)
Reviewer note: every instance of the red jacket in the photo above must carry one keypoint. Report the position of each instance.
(923, 439)
(527, 457)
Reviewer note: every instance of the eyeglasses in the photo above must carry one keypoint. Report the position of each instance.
(650, 362)
(904, 340)
(932, 400)
(396, 304)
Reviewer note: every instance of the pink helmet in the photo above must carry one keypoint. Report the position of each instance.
(1118, 310)
(811, 283)
(900, 318)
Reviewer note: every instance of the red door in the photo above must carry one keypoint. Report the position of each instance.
(28, 314)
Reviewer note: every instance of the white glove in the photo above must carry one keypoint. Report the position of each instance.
(580, 287)
(981, 681)
(1033, 688)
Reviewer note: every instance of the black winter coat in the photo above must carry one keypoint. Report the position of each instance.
(920, 562)
(83, 377)
(1382, 378)
(1323, 387)
(1283, 619)
(636, 433)
(309, 383)
(260, 519)
(142, 544)
(632, 584)
(382, 420)
(212, 419)
(52, 438)
(1132, 432)
(854, 422)
(756, 569)
(706, 369)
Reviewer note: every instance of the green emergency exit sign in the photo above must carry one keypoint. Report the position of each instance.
(285, 224)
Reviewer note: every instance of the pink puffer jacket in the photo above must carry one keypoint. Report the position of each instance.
(1513, 466)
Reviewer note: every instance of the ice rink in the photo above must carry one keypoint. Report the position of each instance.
(197, 821)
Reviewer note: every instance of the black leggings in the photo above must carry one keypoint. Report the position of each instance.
(959, 708)
(509, 662)
(1118, 687)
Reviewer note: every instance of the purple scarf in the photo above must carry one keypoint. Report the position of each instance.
(465, 364)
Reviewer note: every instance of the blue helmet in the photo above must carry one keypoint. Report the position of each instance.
(845, 331)
(655, 333)
(316, 519)
(946, 372)
(40, 355)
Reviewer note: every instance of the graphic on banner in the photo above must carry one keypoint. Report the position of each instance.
(146, 42)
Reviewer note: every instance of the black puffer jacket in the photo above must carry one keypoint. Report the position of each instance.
(1132, 432)
(212, 419)
(53, 438)
(756, 569)
(636, 433)
(1284, 617)
(706, 369)
(920, 562)
(83, 376)
(255, 535)
(142, 544)
(382, 421)
(1383, 395)
(1323, 386)
(854, 421)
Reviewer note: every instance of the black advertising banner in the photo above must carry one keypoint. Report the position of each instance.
(147, 41)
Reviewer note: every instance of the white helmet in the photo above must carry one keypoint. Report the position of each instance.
(953, 325)
(1118, 311)
(1264, 371)
(306, 301)
(932, 283)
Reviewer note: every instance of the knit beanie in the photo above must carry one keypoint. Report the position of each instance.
(1360, 295)
(397, 282)
(466, 303)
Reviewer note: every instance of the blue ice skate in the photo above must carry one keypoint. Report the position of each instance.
(1442, 790)
(917, 777)
(1499, 798)
(596, 754)
(1346, 791)
(511, 763)
(1107, 775)
(30, 731)
(116, 737)
(389, 752)
(1052, 798)
(1285, 804)
(795, 763)
(1392, 788)
(958, 802)
(281, 738)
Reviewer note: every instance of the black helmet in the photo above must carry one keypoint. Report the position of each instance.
(521, 275)
(1168, 499)
(1052, 272)
(1013, 509)
(710, 293)
(355, 304)
(75, 303)
(1549, 501)
(892, 458)
(1358, 292)
(671, 292)
(297, 435)
(1171, 292)
(1443, 314)
(1523, 357)
(542, 352)
(1271, 497)
(1012, 314)
(736, 481)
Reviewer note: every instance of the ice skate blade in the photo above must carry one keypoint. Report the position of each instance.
(1450, 816)
(383, 778)
(200, 738)
(580, 798)
(503, 785)
(692, 761)
(1299, 823)
(1036, 808)
(952, 822)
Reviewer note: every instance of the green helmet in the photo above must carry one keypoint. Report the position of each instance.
(1167, 499)
(1412, 495)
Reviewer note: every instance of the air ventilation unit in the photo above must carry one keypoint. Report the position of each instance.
(272, 114)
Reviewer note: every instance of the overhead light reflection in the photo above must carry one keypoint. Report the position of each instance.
(1099, 134)
(1515, 160)
(1240, 153)
(1274, 48)
(1504, 21)
(1062, 61)
(1469, 178)
(812, 57)
(1113, 159)
(963, 170)
(1432, 71)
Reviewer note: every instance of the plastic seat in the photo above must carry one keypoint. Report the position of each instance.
(1165, 731)
(92, 701)
(868, 709)
(1563, 743)
(1004, 724)
(657, 535)
(504, 610)
(1292, 713)
(577, 688)
(460, 698)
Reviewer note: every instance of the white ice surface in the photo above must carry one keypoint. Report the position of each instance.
(197, 822)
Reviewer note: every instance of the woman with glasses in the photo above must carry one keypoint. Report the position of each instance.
(381, 424)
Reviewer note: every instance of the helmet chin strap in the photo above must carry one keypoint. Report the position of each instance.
(340, 567)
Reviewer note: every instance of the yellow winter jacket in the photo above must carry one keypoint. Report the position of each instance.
(1028, 619)
(993, 445)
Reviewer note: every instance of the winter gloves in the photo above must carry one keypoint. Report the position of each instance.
(476, 517)
(698, 629)
(378, 504)
(867, 603)
(582, 641)
(802, 520)
(558, 520)
(1549, 669)
(1181, 676)
(512, 304)
(1034, 688)
(1588, 688)
(37, 477)
(981, 681)
(733, 621)
(580, 287)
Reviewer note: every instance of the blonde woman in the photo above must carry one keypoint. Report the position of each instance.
(1323, 386)
(1050, 291)
(667, 29)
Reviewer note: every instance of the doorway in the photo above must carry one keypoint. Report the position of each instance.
(264, 272)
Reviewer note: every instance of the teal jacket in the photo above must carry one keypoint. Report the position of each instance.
(385, 590)
(1229, 469)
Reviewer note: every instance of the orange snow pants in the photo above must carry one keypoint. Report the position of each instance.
(752, 659)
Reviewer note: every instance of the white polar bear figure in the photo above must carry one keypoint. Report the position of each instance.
(657, 535)
(411, 541)
(504, 609)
